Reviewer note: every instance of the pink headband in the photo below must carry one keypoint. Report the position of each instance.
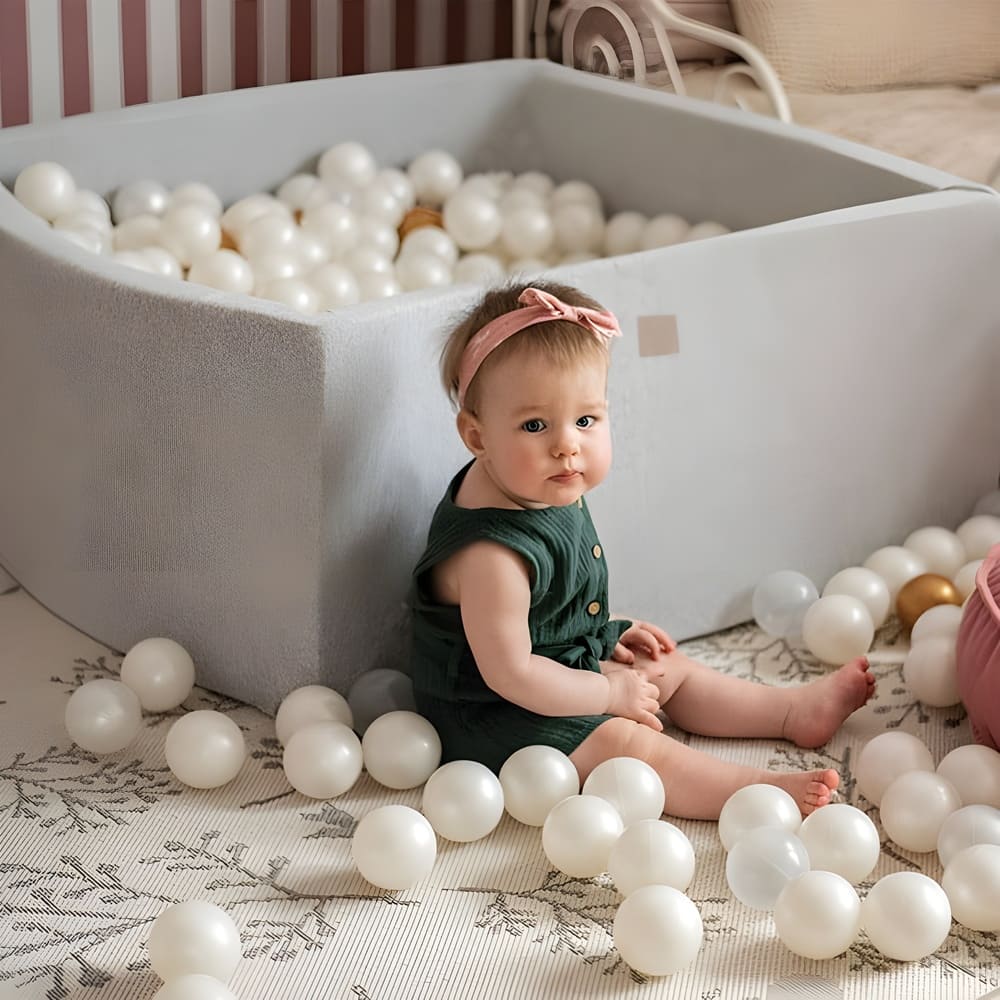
(539, 307)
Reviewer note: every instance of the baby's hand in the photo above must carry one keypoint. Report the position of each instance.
(633, 697)
(649, 639)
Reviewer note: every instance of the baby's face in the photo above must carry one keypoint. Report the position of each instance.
(546, 435)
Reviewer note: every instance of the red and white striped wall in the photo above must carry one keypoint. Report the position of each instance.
(67, 57)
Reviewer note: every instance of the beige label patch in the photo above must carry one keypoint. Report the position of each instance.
(658, 336)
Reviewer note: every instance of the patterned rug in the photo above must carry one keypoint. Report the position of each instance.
(92, 849)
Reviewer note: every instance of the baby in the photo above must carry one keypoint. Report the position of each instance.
(513, 644)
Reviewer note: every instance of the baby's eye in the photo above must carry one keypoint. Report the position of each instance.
(586, 422)
(533, 426)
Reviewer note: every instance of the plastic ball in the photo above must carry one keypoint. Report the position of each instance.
(706, 230)
(103, 716)
(394, 847)
(223, 269)
(142, 197)
(195, 987)
(430, 240)
(87, 239)
(137, 232)
(922, 593)
(906, 916)
(311, 250)
(573, 193)
(189, 231)
(297, 189)
(398, 184)
(579, 833)
(473, 220)
(974, 770)
(780, 602)
(268, 233)
(478, 269)
(896, 565)
(663, 231)
(630, 785)
(162, 262)
(335, 286)
(83, 220)
(245, 210)
(965, 579)
(520, 197)
(197, 193)
(133, 259)
(757, 805)
(160, 671)
(884, 758)
(914, 808)
(92, 203)
(578, 227)
(762, 862)
(534, 779)
(45, 188)
(941, 620)
(970, 825)
(336, 225)
(348, 162)
(322, 759)
(205, 749)
(658, 930)
(311, 703)
(537, 181)
(979, 534)
(818, 915)
(294, 292)
(378, 202)
(463, 801)
(273, 267)
(842, 839)
(194, 937)
(623, 232)
(422, 270)
(837, 628)
(435, 175)
(930, 673)
(972, 884)
(373, 286)
(865, 585)
(941, 549)
(378, 236)
(401, 749)
(651, 852)
(377, 692)
(527, 231)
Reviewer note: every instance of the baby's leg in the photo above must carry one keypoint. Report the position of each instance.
(704, 701)
(696, 784)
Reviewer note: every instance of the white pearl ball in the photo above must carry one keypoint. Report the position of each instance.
(365, 260)
(522, 198)
(244, 211)
(189, 231)
(137, 232)
(914, 808)
(335, 224)
(579, 833)
(964, 580)
(623, 233)
(347, 161)
(762, 863)
(463, 801)
(76, 219)
(941, 620)
(705, 230)
(658, 930)
(295, 192)
(103, 716)
(757, 805)
(435, 176)
(205, 749)
(478, 269)
(432, 240)
(194, 987)
(401, 749)
(268, 233)
(196, 193)
(295, 292)
(133, 259)
(940, 548)
(906, 916)
(576, 193)
(394, 847)
(930, 673)
(534, 779)
(841, 838)
(472, 220)
(481, 185)
(663, 231)
(399, 185)
(322, 759)
(818, 915)
(311, 250)
(223, 269)
(974, 770)
(194, 937)
(630, 785)
(884, 758)
(45, 188)
(162, 262)
(422, 270)
(979, 534)
(527, 231)
(378, 236)
(142, 197)
(90, 202)
(160, 671)
(87, 239)
(965, 827)
(837, 628)
(308, 704)
(972, 884)
(578, 227)
(273, 266)
(335, 286)
(866, 586)
(378, 202)
(651, 852)
(373, 285)
(539, 183)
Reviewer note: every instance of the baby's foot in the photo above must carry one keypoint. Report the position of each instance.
(810, 789)
(819, 708)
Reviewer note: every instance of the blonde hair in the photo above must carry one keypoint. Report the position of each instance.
(560, 341)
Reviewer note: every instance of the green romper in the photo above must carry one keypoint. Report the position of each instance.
(568, 622)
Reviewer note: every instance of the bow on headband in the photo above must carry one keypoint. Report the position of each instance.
(537, 307)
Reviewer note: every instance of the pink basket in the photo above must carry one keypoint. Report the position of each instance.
(978, 653)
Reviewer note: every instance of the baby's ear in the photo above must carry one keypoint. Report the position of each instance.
(469, 431)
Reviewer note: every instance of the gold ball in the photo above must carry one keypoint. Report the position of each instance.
(923, 592)
(417, 217)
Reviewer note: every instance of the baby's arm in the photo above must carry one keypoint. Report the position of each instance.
(494, 595)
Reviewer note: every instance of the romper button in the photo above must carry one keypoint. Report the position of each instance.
(593, 608)
(597, 551)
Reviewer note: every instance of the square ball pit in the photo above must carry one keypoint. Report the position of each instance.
(257, 484)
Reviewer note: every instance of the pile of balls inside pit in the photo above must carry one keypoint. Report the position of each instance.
(351, 231)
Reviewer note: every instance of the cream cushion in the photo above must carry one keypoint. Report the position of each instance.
(831, 45)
